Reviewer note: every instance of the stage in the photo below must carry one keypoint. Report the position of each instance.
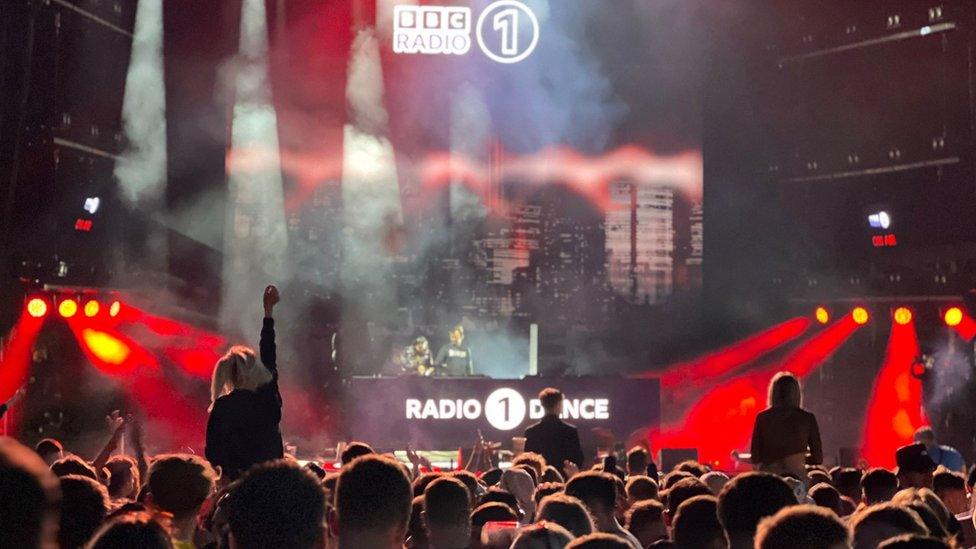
(439, 413)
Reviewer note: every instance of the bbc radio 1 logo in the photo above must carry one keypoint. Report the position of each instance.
(507, 31)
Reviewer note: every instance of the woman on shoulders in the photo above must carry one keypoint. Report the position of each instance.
(786, 437)
(245, 408)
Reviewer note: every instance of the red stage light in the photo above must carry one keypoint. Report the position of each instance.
(895, 409)
(68, 308)
(681, 379)
(902, 315)
(822, 315)
(37, 307)
(860, 316)
(91, 308)
(114, 308)
(953, 317)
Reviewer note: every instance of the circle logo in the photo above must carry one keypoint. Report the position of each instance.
(505, 409)
(508, 31)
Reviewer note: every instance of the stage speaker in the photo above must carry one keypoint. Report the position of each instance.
(669, 457)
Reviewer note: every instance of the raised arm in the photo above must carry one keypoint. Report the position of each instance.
(116, 424)
(19, 394)
(269, 351)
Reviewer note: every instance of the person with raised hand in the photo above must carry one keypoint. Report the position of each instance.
(245, 410)
(13, 400)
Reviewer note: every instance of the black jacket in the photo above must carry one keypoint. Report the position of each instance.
(243, 426)
(781, 431)
(556, 440)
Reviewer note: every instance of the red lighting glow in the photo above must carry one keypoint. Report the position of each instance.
(902, 316)
(193, 350)
(138, 370)
(37, 307)
(895, 409)
(962, 323)
(83, 225)
(679, 380)
(68, 308)
(722, 419)
(860, 316)
(15, 360)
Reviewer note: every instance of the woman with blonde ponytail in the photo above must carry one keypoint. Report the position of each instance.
(245, 404)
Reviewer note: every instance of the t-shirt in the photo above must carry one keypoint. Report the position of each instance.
(454, 360)
(948, 457)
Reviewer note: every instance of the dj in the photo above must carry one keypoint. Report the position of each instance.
(454, 359)
(416, 359)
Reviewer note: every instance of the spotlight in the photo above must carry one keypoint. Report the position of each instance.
(37, 307)
(922, 365)
(114, 308)
(91, 204)
(860, 315)
(902, 316)
(953, 317)
(822, 315)
(68, 308)
(91, 308)
(880, 220)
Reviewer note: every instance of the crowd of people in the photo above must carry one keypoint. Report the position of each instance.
(249, 494)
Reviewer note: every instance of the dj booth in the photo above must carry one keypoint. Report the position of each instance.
(444, 413)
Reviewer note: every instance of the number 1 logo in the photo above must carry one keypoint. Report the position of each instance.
(506, 41)
(505, 409)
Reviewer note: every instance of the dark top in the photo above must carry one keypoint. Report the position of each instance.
(243, 426)
(454, 360)
(556, 440)
(941, 455)
(784, 431)
(3, 409)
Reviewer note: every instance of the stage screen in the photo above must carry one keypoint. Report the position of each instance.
(500, 164)
(559, 184)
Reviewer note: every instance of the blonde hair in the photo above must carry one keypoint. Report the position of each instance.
(784, 390)
(238, 369)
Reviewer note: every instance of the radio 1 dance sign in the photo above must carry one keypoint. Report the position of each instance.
(448, 412)
(507, 31)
